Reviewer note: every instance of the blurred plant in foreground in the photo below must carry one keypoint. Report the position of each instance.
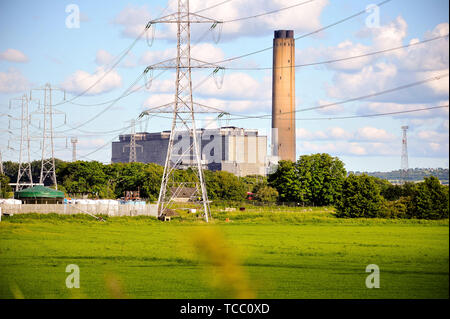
(224, 270)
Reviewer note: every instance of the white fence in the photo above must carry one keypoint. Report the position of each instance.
(95, 209)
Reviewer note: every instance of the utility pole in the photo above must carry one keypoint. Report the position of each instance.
(182, 110)
(74, 142)
(24, 152)
(405, 166)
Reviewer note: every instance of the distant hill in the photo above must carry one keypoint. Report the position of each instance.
(414, 174)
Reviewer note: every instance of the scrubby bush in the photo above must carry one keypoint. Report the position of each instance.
(360, 197)
(266, 194)
(395, 208)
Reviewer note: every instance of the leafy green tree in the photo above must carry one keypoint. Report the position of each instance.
(5, 189)
(84, 177)
(314, 179)
(152, 180)
(360, 197)
(285, 180)
(321, 177)
(266, 194)
(430, 200)
(254, 182)
(223, 185)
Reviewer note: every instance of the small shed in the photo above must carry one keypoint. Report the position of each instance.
(183, 194)
(40, 195)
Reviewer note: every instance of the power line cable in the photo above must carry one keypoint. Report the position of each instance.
(268, 13)
(108, 107)
(302, 36)
(363, 97)
(353, 116)
(343, 59)
(214, 6)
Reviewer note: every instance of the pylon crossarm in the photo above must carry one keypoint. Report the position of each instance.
(183, 17)
(172, 64)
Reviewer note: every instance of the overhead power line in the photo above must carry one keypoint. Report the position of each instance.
(346, 58)
(351, 116)
(109, 106)
(214, 6)
(304, 35)
(268, 13)
(363, 97)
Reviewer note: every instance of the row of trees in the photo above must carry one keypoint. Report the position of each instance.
(321, 180)
(111, 181)
(318, 179)
(367, 196)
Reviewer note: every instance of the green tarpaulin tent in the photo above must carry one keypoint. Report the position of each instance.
(40, 195)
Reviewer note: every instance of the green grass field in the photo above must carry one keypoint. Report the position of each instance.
(287, 253)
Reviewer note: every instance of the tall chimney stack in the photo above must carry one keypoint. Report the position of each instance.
(283, 95)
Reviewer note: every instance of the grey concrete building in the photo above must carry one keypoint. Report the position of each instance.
(239, 151)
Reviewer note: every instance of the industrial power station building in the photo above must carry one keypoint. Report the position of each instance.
(232, 149)
(236, 150)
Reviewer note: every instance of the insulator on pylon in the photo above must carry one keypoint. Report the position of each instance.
(216, 31)
(148, 78)
(219, 74)
(152, 30)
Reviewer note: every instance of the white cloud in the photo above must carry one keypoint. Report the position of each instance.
(432, 136)
(133, 19)
(333, 133)
(394, 68)
(302, 19)
(204, 52)
(238, 86)
(345, 148)
(13, 55)
(91, 143)
(153, 57)
(12, 81)
(378, 108)
(103, 57)
(373, 134)
(331, 109)
(81, 81)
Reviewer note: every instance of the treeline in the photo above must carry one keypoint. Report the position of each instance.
(97, 180)
(322, 180)
(318, 180)
(414, 174)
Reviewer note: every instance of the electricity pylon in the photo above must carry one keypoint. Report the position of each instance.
(182, 110)
(24, 152)
(132, 158)
(48, 169)
(405, 166)
(74, 142)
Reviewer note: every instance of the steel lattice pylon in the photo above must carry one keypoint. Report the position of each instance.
(182, 110)
(24, 167)
(405, 165)
(133, 157)
(48, 154)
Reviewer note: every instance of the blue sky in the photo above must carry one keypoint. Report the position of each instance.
(37, 47)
